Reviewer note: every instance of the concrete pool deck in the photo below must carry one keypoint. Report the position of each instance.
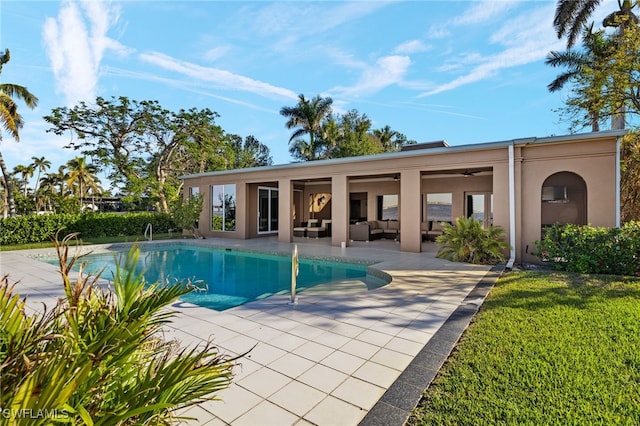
(331, 359)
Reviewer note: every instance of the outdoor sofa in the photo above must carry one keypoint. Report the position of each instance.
(302, 231)
(374, 229)
(432, 229)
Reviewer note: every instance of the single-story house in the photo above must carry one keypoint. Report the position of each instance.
(521, 185)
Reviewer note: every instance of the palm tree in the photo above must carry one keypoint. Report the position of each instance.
(83, 177)
(53, 186)
(41, 164)
(306, 117)
(11, 120)
(572, 15)
(26, 172)
(596, 47)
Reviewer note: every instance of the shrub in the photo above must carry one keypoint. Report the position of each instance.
(98, 356)
(468, 241)
(38, 228)
(592, 250)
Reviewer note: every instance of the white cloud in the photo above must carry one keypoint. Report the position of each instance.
(479, 12)
(222, 78)
(75, 42)
(182, 84)
(216, 53)
(411, 46)
(286, 23)
(387, 71)
(525, 39)
(483, 11)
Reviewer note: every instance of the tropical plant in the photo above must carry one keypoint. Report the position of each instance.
(186, 213)
(592, 250)
(630, 177)
(82, 177)
(347, 135)
(467, 241)
(98, 357)
(26, 172)
(391, 140)
(41, 164)
(306, 117)
(11, 120)
(589, 97)
(571, 17)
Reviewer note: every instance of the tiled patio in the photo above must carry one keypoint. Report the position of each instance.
(325, 361)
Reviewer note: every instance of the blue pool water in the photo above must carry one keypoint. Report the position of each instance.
(227, 278)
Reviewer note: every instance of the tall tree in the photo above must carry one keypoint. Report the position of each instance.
(572, 16)
(248, 152)
(113, 133)
(82, 175)
(11, 120)
(391, 140)
(596, 47)
(145, 146)
(41, 165)
(347, 135)
(26, 172)
(306, 118)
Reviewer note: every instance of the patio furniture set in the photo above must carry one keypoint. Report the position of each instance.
(314, 229)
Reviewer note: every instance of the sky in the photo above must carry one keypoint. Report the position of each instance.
(461, 71)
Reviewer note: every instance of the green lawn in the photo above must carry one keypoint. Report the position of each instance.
(94, 240)
(545, 348)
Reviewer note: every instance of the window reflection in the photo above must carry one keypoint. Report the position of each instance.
(223, 207)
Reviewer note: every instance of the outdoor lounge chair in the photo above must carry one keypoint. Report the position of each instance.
(323, 231)
(303, 231)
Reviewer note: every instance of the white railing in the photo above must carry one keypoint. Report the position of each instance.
(294, 275)
(149, 231)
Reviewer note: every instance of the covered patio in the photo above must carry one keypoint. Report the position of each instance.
(521, 185)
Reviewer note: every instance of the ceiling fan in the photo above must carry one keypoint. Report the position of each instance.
(468, 173)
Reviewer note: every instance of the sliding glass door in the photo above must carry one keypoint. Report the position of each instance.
(267, 210)
(480, 207)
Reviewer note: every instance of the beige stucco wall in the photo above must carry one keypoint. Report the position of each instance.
(593, 161)
(592, 158)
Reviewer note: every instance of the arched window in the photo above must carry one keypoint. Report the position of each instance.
(564, 199)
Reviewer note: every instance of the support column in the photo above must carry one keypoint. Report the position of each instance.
(285, 210)
(410, 235)
(339, 210)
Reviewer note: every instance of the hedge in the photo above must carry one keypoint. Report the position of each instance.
(38, 228)
(592, 250)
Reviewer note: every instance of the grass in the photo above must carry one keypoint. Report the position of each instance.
(545, 349)
(94, 240)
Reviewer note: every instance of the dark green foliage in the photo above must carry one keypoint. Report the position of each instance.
(591, 250)
(467, 241)
(98, 357)
(38, 228)
(187, 212)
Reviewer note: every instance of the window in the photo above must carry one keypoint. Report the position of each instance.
(267, 210)
(388, 207)
(194, 191)
(439, 207)
(480, 207)
(223, 207)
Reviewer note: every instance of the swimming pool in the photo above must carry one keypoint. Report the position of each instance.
(228, 278)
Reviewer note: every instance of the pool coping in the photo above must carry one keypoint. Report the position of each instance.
(403, 396)
(394, 403)
(373, 278)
